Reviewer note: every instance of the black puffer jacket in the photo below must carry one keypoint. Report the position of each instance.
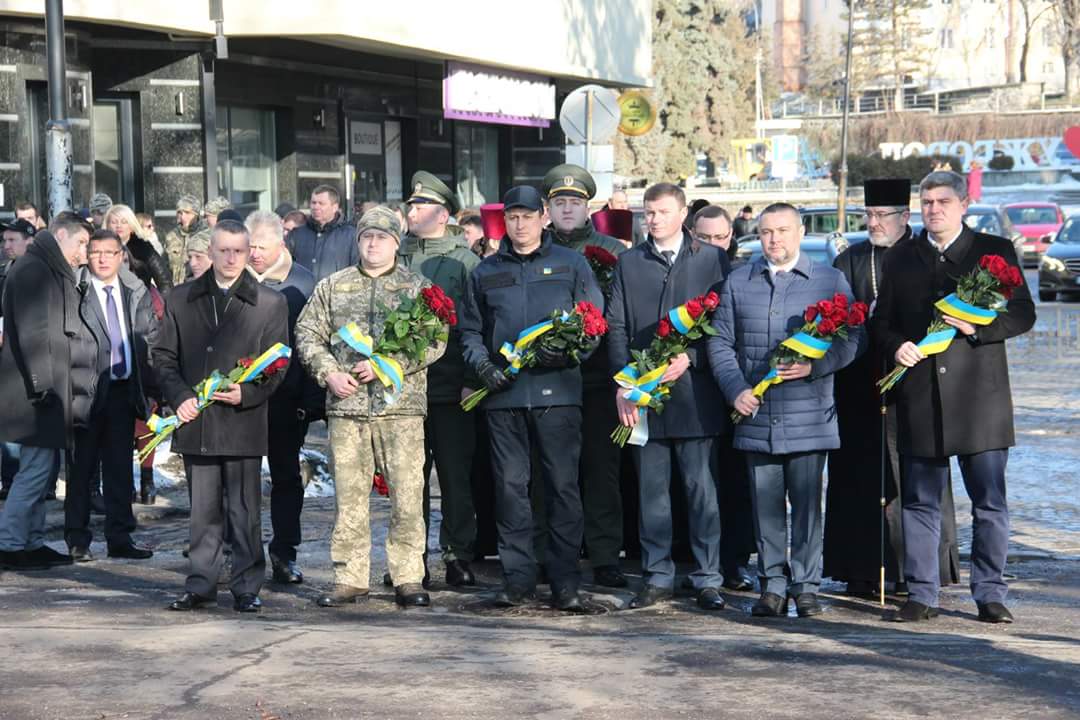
(148, 265)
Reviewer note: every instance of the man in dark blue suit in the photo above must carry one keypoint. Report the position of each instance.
(957, 402)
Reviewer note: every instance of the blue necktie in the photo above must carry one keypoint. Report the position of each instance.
(116, 338)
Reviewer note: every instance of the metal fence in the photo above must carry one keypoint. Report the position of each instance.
(1054, 339)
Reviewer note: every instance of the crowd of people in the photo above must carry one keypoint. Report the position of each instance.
(106, 328)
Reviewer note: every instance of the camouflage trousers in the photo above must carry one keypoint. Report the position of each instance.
(394, 446)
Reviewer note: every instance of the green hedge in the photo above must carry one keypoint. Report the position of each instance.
(915, 168)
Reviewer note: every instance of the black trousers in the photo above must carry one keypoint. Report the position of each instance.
(286, 436)
(555, 435)
(210, 478)
(736, 509)
(449, 446)
(599, 468)
(110, 441)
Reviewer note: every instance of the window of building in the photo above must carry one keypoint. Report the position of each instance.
(476, 163)
(246, 172)
(946, 39)
(1048, 68)
(114, 167)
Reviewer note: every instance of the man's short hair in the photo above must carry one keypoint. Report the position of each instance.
(661, 190)
(105, 234)
(265, 219)
(747, 209)
(24, 205)
(296, 216)
(335, 196)
(945, 178)
(471, 220)
(70, 223)
(780, 207)
(229, 227)
(711, 212)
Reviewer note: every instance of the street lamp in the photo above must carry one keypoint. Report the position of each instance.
(841, 201)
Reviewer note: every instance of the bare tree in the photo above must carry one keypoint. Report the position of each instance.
(1068, 21)
(1031, 18)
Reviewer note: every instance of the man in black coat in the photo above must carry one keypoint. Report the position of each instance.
(327, 243)
(853, 514)
(44, 336)
(271, 264)
(123, 329)
(538, 414)
(211, 324)
(954, 403)
(665, 271)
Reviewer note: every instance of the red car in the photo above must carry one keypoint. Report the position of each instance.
(1039, 223)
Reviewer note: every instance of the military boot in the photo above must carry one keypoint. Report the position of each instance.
(342, 595)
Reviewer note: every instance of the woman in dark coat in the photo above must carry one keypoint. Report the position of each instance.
(143, 259)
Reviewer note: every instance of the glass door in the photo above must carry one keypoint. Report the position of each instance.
(246, 158)
(367, 162)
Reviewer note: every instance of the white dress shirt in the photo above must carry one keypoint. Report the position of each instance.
(786, 267)
(118, 298)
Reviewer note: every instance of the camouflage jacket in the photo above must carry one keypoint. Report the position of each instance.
(446, 262)
(350, 295)
(176, 249)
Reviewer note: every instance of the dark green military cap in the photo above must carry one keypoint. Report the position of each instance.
(572, 180)
(426, 188)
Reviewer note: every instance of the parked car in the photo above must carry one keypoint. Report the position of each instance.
(853, 238)
(1038, 222)
(992, 220)
(1059, 268)
(820, 248)
(825, 219)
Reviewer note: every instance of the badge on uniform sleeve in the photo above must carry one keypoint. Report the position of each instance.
(547, 271)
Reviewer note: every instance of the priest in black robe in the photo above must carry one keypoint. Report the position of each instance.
(853, 500)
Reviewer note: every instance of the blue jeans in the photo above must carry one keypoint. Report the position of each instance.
(22, 521)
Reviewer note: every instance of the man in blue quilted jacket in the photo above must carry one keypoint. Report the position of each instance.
(786, 433)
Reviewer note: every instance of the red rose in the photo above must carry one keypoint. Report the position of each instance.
(663, 329)
(856, 316)
(600, 256)
(996, 265)
(594, 324)
(452, 320)
(825, 308)
(695, 308)
(838, 315)
(1016, 278)
(984, 262)
(274, 367)
(840, 299)
(245, 362)
(586, 308)
(826, 326)
(711, 301)
(810, 314)
(379, 483)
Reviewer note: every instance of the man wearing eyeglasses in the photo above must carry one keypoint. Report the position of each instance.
(124, 322)
(853, 507)
(712, 225)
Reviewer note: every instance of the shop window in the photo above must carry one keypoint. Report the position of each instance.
(246, 158)
(476, 163)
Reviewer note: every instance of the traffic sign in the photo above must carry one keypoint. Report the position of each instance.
(590, 114)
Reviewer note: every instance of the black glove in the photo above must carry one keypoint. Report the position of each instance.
(551, 358)
(492, 377)
(45, 399)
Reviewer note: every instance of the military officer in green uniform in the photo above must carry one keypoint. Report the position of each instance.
(568, 190)
(441, 254)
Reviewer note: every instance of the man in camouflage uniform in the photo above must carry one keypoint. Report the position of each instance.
(188, 222)
(568, 189)
(214, 208)
(367, 433)
(441, 255)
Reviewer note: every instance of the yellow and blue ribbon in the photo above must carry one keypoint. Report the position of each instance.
(680, 319)
(803, 343)
(386, 369)
(957, 308)
(641, 390)
(157, 424)
(515, 354)
(275, 353)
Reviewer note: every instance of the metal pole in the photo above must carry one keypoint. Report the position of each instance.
(209, 122)
(58, 130)
(841, 201)
(588, 129)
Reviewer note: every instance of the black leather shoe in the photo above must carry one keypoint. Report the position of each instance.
(411, 595)
(342, 595)
(189, 601)
(915, 611)
(609, 576)
(81, 553)
(513, 597)
(994, 612)
(807, 605)
(45, 556)
(247, 603)
(131, 551)
(285, 571)
(458, 573)
(710, 599)
(770, 605)
(17, 560)
(740, 580)
(389, 581)
(650, 595)
(568, 600)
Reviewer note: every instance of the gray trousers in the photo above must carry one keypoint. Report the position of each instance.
(774, 480)
(225, 492)
(22, 523)
(654, 464)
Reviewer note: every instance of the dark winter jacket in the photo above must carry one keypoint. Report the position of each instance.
(148, 265)
(324, 249)
(41, 319)
(756, 314)
(508, 293)
(958, 402)
(644, 290)
(191, 345)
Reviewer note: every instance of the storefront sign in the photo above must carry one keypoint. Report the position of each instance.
(1027, 153)
(365, 138)
(497, 96)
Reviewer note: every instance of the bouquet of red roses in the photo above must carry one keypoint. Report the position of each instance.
(822, 322)
(642, 378)
(247, 370)
(980, 296)
(409, 329)
(602, 263)
(570, 333)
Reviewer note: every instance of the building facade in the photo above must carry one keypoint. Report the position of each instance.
(308, 94)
